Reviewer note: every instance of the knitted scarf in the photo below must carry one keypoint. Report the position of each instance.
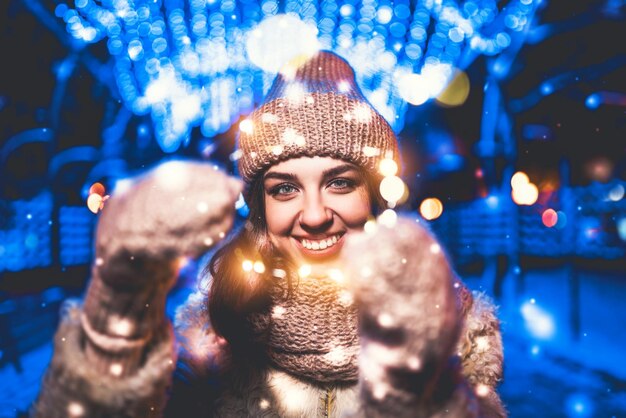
(312, 331)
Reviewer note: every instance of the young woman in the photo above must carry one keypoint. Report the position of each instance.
(305, 314)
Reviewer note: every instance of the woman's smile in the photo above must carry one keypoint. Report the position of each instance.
(320, 248)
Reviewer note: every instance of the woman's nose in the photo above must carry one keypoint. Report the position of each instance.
(315, 214)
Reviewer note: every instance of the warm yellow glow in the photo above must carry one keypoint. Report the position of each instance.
(75, 409)
(371, 151)
(116, 369)
(392, 188)
(525, 195)
(279, 273)
(97, 188)
(388, 167)
(431, 208)
(370, 227)
(95, 202)
(278, 312)
(336, 275)
(264, 404)
(277, 149)
(519, 179)
(246, 126)
(388, 218)
(304, 271)
(482, 390)
(385, 320)
(247, 265)
(202, 207)
(122, 327)
(414, 363)
(457, 91)
(259, 267)
(482, 344)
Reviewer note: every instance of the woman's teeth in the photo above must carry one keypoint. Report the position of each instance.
(320, 244)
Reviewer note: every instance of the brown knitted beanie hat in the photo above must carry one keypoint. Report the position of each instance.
(316, 109)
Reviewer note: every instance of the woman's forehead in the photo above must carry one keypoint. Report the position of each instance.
(310, 164)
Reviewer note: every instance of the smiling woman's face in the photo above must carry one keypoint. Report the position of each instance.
(311, 204)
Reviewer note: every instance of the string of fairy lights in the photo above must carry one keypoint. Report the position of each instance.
(203, 63)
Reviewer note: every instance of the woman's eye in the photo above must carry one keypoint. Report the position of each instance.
(341, 184)
(282, 189)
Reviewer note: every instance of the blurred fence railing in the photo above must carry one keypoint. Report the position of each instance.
(591, 224)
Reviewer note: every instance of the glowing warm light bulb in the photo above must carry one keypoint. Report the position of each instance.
(414, 363)
(116, 369)
(392, 188)
(482, 390)
(122, 327)
(519, 179)
(388, 167)
(525, 195)
(279, 273)
(202, 207)
(388, 218)
(385, 320)
(246, 126)
(75, 409)
(431, 208)
(370, 227)
(336, 275)
(247, 265)
(259, 267)
(95, 203)
(549, 218)
(304, 271)
(97, 188)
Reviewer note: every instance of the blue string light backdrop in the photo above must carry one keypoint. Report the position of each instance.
(204, 63)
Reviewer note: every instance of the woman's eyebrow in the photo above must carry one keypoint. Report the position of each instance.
(280, 176)
(336, 171)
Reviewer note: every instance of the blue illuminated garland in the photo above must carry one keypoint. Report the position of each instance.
(185, 62)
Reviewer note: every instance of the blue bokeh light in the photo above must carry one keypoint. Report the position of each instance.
(593, 101)
(201, 46)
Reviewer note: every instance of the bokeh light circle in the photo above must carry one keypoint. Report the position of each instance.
(549, 217)
(431, 208)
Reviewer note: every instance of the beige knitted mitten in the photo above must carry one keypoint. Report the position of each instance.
(178, 209)
(409, 324)
(115, 356)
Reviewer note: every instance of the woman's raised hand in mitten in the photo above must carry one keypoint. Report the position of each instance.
(409, 320)
(178, 209)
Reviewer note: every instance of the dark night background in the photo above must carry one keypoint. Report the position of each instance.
(562, 140)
